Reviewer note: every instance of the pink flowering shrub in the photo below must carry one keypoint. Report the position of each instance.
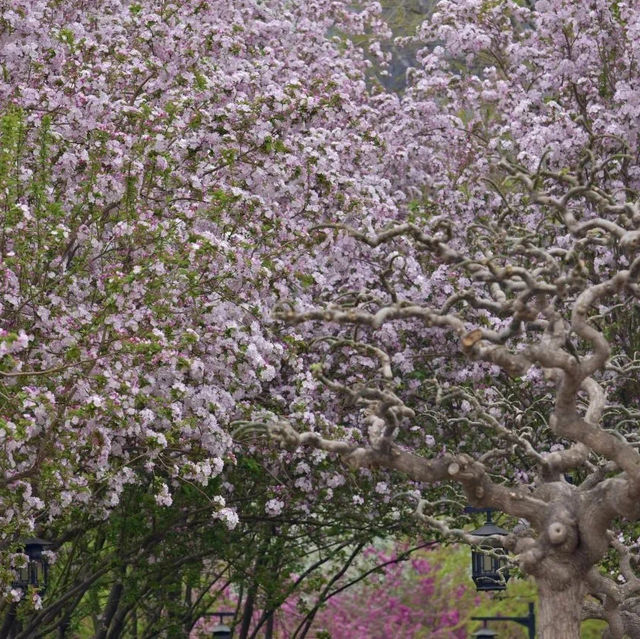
(409, 595)
(410, 599)
(417, 597)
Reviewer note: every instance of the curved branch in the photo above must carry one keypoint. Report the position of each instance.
(462, 469)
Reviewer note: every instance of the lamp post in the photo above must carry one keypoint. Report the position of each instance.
(529, 622)
(33, 574)
(489, 573)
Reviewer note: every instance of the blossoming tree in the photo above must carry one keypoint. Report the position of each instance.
(488, 338)
(160, 164)
(461, 265)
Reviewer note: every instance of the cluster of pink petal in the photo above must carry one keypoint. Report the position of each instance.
(169, 160)
(169, 166)
(411, 599)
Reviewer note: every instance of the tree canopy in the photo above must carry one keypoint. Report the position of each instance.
(217, 222)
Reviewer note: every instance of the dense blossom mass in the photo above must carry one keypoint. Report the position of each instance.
(214, 223)
(160, 164)
(502, 331)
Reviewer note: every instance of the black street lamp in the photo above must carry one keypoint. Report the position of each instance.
(485, 633)
(488, 571)
(35, 572)
(529, 622)
(221, 630)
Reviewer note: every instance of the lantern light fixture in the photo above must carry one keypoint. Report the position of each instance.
(488, 571)
(485, 633)
(35, 572)
(221, 630)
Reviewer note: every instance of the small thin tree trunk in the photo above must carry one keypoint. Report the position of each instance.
(268, 633)
(63, 626)
(134, 624)
(9, 621)
(110, 609)
(248, 611)
(559, 610)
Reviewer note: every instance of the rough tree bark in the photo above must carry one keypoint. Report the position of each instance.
(559, 609)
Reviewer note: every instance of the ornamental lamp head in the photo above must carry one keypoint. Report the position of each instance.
(488, 570)
(35, 572)
(221, 631)
(485, 633)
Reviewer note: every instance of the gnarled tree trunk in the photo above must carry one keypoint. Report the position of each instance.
(559, 610)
